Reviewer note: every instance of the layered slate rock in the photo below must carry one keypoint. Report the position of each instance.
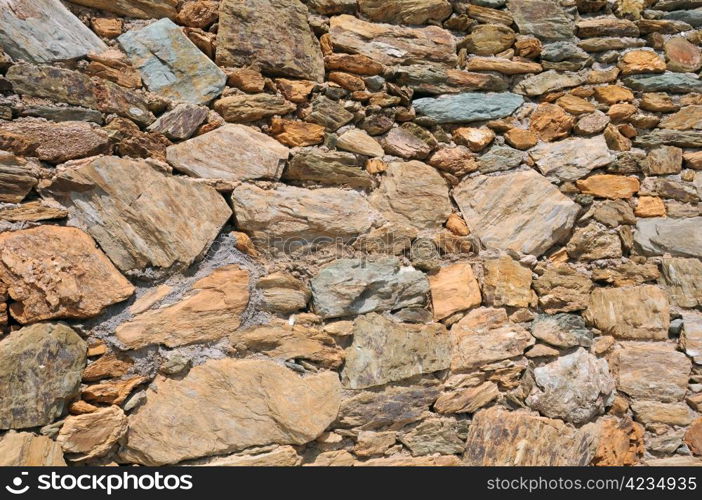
(171, 65)
(57, 272)
(208, 312)
(454, 289)
(348, 287)
(143, 9)
(575, 388)
(468, 107)
(691, 340)
(72, 87)
(92, 435)
(24, 449)
(181, 122)
(683, 280)
(405, 11)
(141, 217)
(521, 211)
(414, 194)
(498, 437)
(231, 153)
(392, 45)
(441, 79)
(542, 18)
(227, 405)
(273, 34)
(17, 177)
(42, 31)
(330, 168)
(571, 159)
(679, 237)
(40, 369)
(385, 351)
(290, 217)
(636, 313)
(484, 336)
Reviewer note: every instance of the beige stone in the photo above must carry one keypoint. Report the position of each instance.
(507, 283)
(649, 206)
(24, 449)
(611, 94)
(521, 138)
(296, 133)
(609, 186)
(476, 139)
(92, 435)
(454, 289)
(209, 311)
(358, 141)
(551, 122)
(641, 61)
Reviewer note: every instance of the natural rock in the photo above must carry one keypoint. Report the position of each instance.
(641, 61)
(246, 108)
(288, 216)
(56, 272)
(352, 286)
(541, 18)
(444, 436)
(562, 330)
(17, 177)
(550, 122)
(274, 34)
(470, 107)
(654, 412)
(328, 113)
(209, 311)
(143, 9)
(677, 83)
(358, 141)
(548, 81)
(682, 55)
(140, 216)
(562, 288)
(296, 134)
(488, 39)
(520, 211)
(235, 404)
(573, 158)
(679, 237)
(454, 289)
(92, 435)
(441, 79)
(384, 351)
(691, 340)
(40, 367)
(24, 449)
(328, 168)
(181, 122)
(683, 280)
(507, 283)
(283, 293)
(232, 153)
(609, 186)
(405, 11)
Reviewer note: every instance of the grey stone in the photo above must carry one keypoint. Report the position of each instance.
(575, 387)
(542, 18)
(445, 436)
(468, 107)
(181, 122)
(500, 158)
(43, 31)
(40, 371)
(171, 65)
(333, 168)
(328, 113)
(571, 159)
(691, 17)
(548, 81)
(521, 211)
(385, 351)
(17, 177)
(562, 330)
(441, 79)
(349, 287)
(665, 137)
(679, 83)
(679, 237)
(63, 113)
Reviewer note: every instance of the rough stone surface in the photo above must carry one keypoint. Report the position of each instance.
(679, 237)
(24, 449)
(461, 108)
(92, 435)
(454, 289)
(571, 159)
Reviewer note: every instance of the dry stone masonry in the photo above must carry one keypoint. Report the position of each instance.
(350, 232)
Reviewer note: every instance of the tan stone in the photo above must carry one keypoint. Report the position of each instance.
(407, 461)
(654, 412)
(551, 122)
(209, 311)
(107, 27)
(619, 442)
(682, 55)
(454, 289)
(81, 407)
(609, 186)
(562, 288)
(371, 443)
(575, 105)
(113, 392)
(641, 61)
(649, 206)
(501, 65)
(457, 225)
(114, 70)
(33, 211)
(637, 313)
(476, 139)
(693, 437)
(296, 133)
(247, 108)
(689, 117)
(107, 366)
(247, 79)
(405, 11)
(347, 81)
(286, 342)
(521, 138)
(24, 449)
(658, 102)
(616, 141)
(280, 456)
(621, 111)
(228, 405)
(353, 63)
(92, 435)
(489, 39)
(507, 283)
(456, 161)
(296, 91)
(358, 141)
(56, 272)
(611, 94)
(467, 400)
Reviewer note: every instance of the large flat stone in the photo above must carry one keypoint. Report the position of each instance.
(141, 217)
(57, 272)
(542, 18)
(171, 65)
(40, 369)
(683, 280)
(24, 449)
(520, 211)
(678, 83)
(42, 31)
(143, 9)
(468, 107)
(274, 34)
(231, 153)
(348, 287)
(288, 217)
(572, 158)
(227, 405)
(679, 237)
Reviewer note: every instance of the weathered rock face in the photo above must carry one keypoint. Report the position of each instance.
(507, 283)
(353, 286)
(454, 289)
(520, 211)
(328, 168)
(143, 9)
(413, 194)
(24, 449)
(140, 216)
(44, 31)
(92, 435)
(40, 367)
(272, 34)
(562, 330)
(209, 312)
(683, 280)
(384, 351)
(56, 272)
(228, 405)
(543, 19)
(289, 217)
(571, 159)
(18, 177)
(389, 44)
(575, 387)
(679, 237)
(405, 11)
(231, 153)
(171, 65)
(500, 438)
(472, 107)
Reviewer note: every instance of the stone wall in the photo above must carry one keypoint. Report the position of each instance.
(350, 232)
